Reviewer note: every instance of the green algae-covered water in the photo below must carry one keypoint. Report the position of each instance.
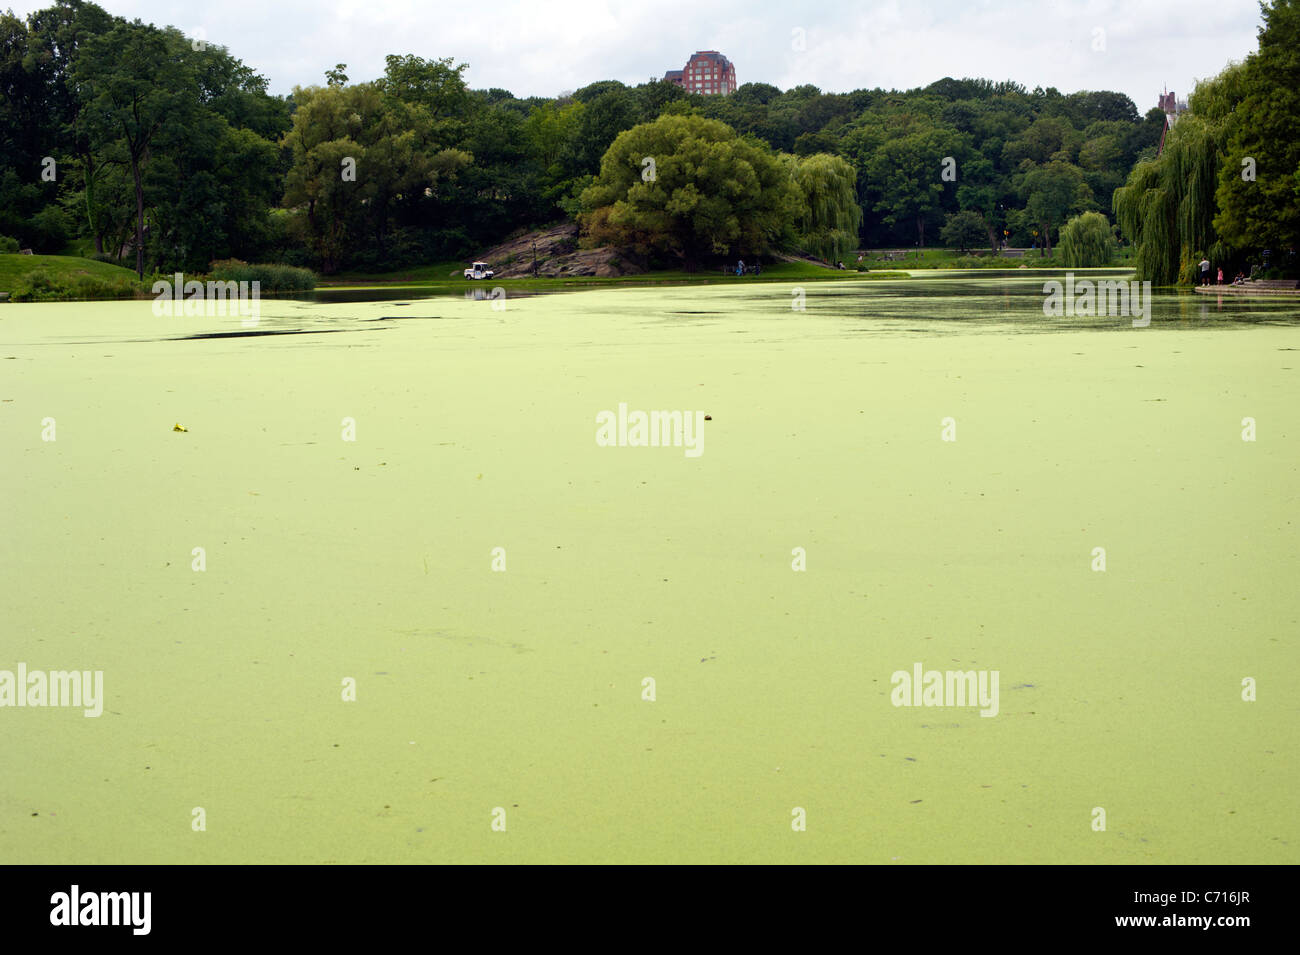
(640, 673)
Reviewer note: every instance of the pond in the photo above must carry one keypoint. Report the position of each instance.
(393, 586)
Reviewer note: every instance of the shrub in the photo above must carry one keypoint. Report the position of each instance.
(273, 277)
(37, 286)
(52, 230)
(41, 285)
(7, 244)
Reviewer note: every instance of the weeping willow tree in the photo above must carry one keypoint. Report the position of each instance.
(1167, 206)
(828, 225)
(1087, 242)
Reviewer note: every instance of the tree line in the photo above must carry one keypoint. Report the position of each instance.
(168, 153)
(1226, 187)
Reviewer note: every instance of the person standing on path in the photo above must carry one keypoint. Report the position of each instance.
(1205, 271)
(1220, 275)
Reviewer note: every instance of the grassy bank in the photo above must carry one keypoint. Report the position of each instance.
(37, 278)
(63, 268)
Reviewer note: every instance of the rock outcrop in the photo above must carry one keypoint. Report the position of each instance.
(558, 256)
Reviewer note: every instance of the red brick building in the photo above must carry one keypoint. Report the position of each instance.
(706, 72)
(1172, 106)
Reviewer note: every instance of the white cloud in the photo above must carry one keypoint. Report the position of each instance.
(536, 48)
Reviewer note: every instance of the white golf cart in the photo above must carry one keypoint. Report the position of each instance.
(479, 270)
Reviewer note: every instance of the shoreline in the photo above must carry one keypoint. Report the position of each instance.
(1244, 290)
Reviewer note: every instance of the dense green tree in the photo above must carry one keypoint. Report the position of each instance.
(1051, 193)
(1167, 206)
(908, 171)
(604, 115)
(1088, 241)
(963, 229)
(1048, 138)
(830, 216)
(711, 193)
(978, 192)
(135, 82)
(437, 85)
(593, 90)
(181, 154)
(653, 97)
(1258, 206)
(325, 180)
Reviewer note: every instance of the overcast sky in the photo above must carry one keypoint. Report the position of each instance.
(543, 47)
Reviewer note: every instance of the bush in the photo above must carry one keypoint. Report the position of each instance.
(52, 230)
(1189, 267)
(1087, 242)
(8, 245)
(273, 277)
(41, 285)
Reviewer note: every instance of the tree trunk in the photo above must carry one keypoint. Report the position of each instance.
(993, 240)
(139, 218)
(90, 202)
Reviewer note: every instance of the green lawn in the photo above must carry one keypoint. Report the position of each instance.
(13, 267)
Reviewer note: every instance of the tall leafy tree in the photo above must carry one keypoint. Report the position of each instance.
(1051, 193)
(1167, 206)
(135, 81)
(605, 114)
(712, 193)
(908, 171)
(58, 34)
(963, 229)
(830, 215)
(325, 181)
(437, 85)
(1262, 210)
